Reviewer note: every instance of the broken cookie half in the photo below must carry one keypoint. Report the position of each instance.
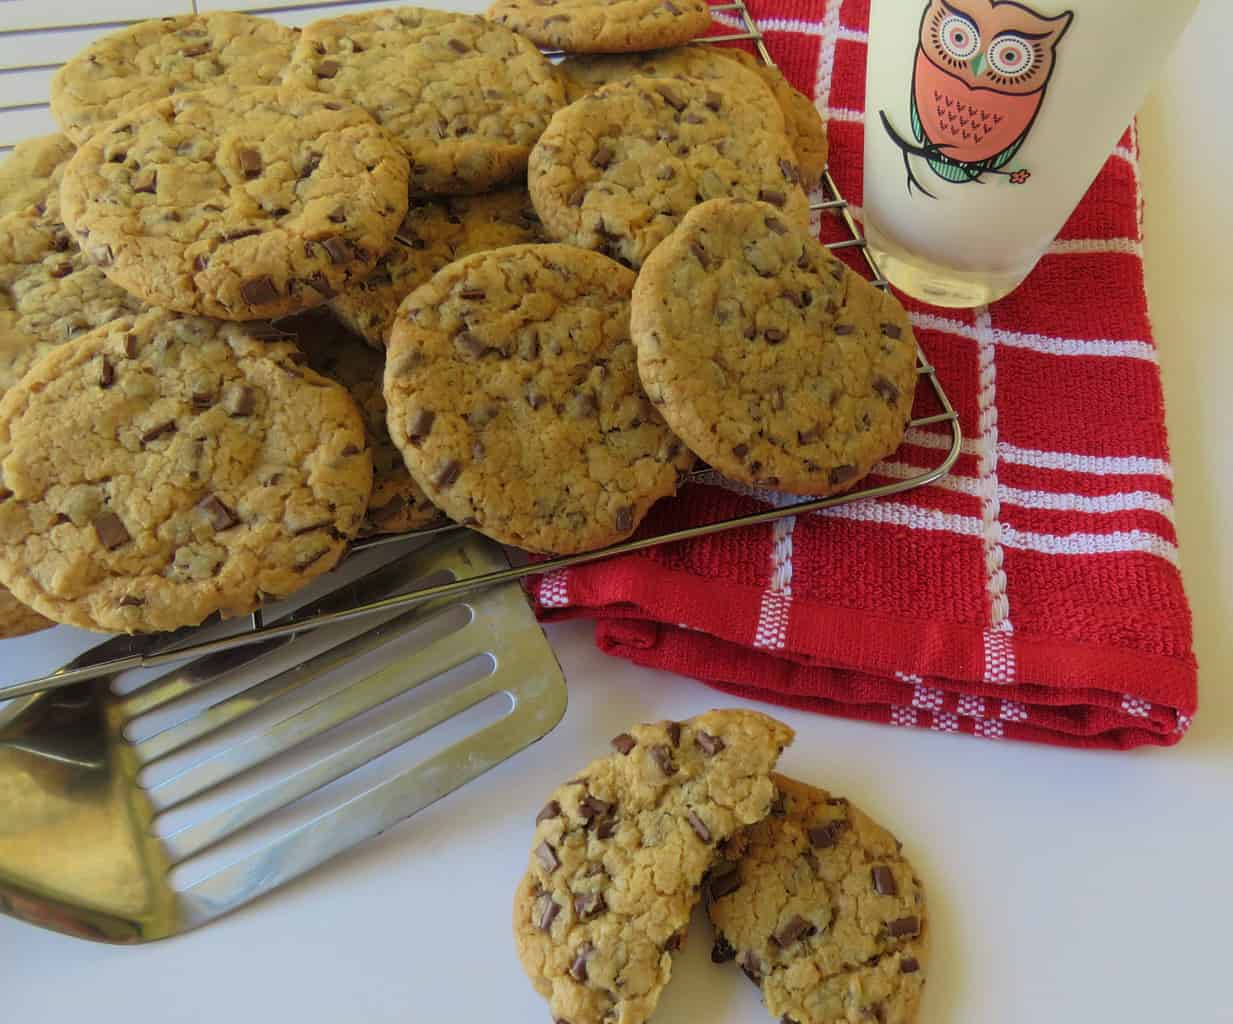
(820, 909)
(620, 852)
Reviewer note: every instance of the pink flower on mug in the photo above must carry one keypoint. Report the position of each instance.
(1020, 177)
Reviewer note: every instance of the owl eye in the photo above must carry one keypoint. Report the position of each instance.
(1011, 57)
(959, 37)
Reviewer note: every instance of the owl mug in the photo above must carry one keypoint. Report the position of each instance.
(985, 123)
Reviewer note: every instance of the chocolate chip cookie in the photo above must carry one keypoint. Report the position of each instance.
(619, 852)
(806, 131)
(514, 397)
(435, 232)
(32, 170)
(768, 356)
(49, 294)
(801, 121)
(819, 907)
(163, 468)
(237, 205)
(585, 74)
(465, 98)
(18, 620)
(593, 26)
(397, 503)
(162, 56)
(617, 170)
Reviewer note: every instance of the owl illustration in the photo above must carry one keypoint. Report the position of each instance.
(982, 69)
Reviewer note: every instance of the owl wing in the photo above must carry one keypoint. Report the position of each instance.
(1007, 155)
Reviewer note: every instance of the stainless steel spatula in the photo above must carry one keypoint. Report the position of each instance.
(136, 808)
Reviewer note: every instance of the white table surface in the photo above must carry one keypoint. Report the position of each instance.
(1064, 886)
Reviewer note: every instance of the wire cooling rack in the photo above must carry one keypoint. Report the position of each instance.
(25, 70)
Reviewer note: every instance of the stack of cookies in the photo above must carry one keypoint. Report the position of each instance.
(273, 289)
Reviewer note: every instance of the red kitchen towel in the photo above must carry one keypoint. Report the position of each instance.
(1034, 593)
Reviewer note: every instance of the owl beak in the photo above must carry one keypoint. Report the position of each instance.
(977, 64)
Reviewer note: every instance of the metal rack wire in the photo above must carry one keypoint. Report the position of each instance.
(128, 653)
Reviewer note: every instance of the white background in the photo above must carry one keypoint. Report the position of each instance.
(1064, 886)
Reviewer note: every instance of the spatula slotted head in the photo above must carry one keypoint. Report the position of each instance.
(134, 808)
